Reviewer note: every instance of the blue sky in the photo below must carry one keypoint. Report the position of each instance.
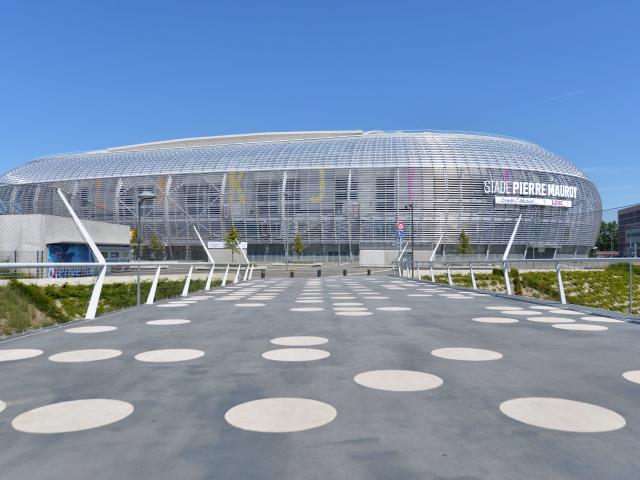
(564, 74)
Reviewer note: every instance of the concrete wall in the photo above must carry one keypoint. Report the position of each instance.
(223, 256)
(383, 258)
(35, 232)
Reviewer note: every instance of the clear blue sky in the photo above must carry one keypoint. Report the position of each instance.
(77, 75)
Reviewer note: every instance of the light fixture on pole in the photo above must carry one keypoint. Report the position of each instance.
(142, 197)
(410, 207)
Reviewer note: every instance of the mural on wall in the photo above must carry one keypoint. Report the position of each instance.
(68, 253)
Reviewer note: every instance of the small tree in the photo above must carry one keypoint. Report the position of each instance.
(231, 241)
(133, 241)
(155, 245)
(298, 244)
(464, 245)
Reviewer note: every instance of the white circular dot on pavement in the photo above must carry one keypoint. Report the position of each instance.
(593, 318)
(350, 309)
(181, 302)
(546, 319)
(581, 327)
(249, 305)
(169, 355)
(418, 295)
(565, 312)
(347, 304)
(393, 309)
(2, 405)
(343, 298)
(280, 415)
(72, 416)
(543, 307)
(299, 341)
(92, 329)
(174, 305)
(494, 307)
(495, 320)
(562, 414)
(199, 297)
(309, 301)
(353, 314)
(466, 354)
(456, 296)
(376, 298)
(631, 375)
(92, 355)
(295, 354)
(398, 380)
(306, 309)
(18, 354)
(168, 321)
(528, 313)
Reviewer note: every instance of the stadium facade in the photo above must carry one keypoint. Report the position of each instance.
(341, 191)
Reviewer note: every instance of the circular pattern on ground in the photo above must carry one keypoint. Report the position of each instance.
(169, 355)
(393, 309)
(353, 314)
(280, 415)
(418, 295)
(376, 298)
(72, 416)
(398, 380)
(300, 341)
(91, 355)
(309, 301)
(565, 312)
(495, 320)
(543, 307)
(466, 354)
(347, 304)
(503, 308)
(306, 309)
(93, 329)
(248, 304)
(169, 321)
(580, 327)
(174, 305)
(521, 312)
(551, 320)
(18, 354)
(631, 375)
(592, 318)
(562, 414)
(295, 354)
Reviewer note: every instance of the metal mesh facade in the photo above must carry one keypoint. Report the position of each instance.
(347, 190)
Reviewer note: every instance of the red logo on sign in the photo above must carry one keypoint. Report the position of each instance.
(401, 227)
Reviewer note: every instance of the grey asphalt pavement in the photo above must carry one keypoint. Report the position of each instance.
(177, 429)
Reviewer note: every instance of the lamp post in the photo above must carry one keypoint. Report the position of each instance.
(410, 207)
(146, 195)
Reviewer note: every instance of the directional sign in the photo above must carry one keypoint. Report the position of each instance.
(400, 227)
(400, 233)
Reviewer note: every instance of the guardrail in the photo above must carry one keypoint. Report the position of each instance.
(408, 269)
(101, 269)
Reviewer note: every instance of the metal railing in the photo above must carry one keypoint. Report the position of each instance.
(408, 269)
(239, 273)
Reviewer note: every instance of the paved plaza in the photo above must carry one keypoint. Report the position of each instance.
(369, 377)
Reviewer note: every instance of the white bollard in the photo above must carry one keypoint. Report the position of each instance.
(224, 279)
(251, 271)
(209, 278)
(237, 277)
(246, 273)
(185, 290)
(152, 292)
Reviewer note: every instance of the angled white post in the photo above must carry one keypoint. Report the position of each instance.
(418, 271)
(449, 275)
(213, 262)
(152, 292)
(210, 277)
(226, 273)
(246, 273)
(185, 290)
(97, 287)
(505, 266)
(433, 255)
(563, 298)
(473, 278)
(237, 276)
(246, 259)
(251, 271)
(433, 276)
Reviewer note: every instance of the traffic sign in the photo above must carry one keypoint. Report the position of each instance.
(400, 233)
(400, 227)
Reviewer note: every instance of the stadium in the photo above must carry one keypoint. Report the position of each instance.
(343, 192)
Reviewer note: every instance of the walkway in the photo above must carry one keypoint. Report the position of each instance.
(332, 378)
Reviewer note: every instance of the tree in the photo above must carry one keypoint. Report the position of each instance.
(298, 244)
(133, 240)
(608, 236)
(464, 245)
(231, 241)
(155, 245)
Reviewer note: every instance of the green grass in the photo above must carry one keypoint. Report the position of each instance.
(607, 289)
(25, 306)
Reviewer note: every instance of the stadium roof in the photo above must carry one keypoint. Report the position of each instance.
(295, 150)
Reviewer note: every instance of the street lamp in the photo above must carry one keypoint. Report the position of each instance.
(146, 195)
(410, 207)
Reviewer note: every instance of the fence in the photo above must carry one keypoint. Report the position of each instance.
(602, 283)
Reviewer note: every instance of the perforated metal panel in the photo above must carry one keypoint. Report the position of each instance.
(340, 190)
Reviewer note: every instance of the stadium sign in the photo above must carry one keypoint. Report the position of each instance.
(510, 192)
